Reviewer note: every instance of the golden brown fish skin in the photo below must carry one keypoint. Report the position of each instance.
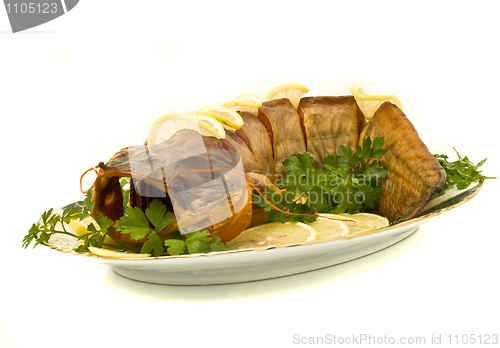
(283, 125)
(328, 122)
(248, 158)
(414, 174)
(254, 133)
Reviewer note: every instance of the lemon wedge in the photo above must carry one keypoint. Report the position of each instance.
(79, 228)
(166, 126)
(224, 115)
(372, 219)
(274, 233)
(292, 91)
(327, 228)
(368, 104)
(116, 254)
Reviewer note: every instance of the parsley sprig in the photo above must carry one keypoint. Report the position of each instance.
(197, 241)
(347, 182)
(52, 223)
(460, 173)
(141, 224)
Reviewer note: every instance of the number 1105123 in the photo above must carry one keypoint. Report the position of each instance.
(31, 7)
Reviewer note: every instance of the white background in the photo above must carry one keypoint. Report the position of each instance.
(76, 90)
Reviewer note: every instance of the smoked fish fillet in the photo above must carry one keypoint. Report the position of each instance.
(283, 125)
(328, 122)
(255, 135)
(414, 174)
(249, 161)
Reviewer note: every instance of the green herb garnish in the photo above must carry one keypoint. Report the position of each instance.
(42, 231)
(197, 241)
(460, 173)
(347, 182)
(138, 224)
(125, 186)
(52, 223)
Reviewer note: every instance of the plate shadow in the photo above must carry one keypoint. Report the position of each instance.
(262, 288)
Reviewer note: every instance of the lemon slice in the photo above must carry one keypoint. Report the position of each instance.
(292, 91)
(373, 219)
(327, 229)
(368, 104)
(248, 100)
(355, 226)
(359, 226)
(166, 117)
(245, 103)
(222, 114)
(274, 233)
(340, 217)
(214, 126)
(242, 108)
(168, 125)
(116, 254)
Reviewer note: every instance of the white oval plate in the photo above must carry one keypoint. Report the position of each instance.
(258, 264)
